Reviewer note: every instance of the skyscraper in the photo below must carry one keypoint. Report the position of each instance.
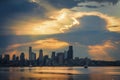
(70, 53)
(33, 56)
(40, 54)
(6, 58)
(22, 57)
(14, 57)
(53, 56)
(60, 57)
(30, 53)
(40, 58)
(0, 56)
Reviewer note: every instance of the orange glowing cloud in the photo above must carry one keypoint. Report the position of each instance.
(58, 22)
(101, 52)
(113, 24)
(46, 44)
(50, 43)
(61, 21)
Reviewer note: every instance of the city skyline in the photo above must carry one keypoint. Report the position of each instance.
(91, 26)
(31, 55)
(55, 59)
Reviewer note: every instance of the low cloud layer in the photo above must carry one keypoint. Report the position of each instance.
(101, 52)
(48, 45)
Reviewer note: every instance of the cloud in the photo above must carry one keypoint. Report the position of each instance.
(72, 3)
(39, 17)
(102, 52)
(112, 23)
(12, 11)
(63, 21)
(42, 44)
(48, 45)
(89, 6)
(56, 23)
(101, 1)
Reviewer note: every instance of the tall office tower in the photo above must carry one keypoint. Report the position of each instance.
(40, 58)
(65, 54)
(30, 53)
(45, 60)
(70, 53)
(53, 56)
(6, 58)
(33, 56)
(17, 58)
(22, 57)
(40, 54)
(14, 57)
(0, 57)
(60, 57)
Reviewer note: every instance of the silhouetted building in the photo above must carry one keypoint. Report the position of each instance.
(45, 61)
(53, 56)
(0, 57)
(40, 58)
(57, 59)
(6, 58)
(22, 57)
(30, 53)
(53, 59)
(14, 57)
(40, 54)
(65, 54)
(33, 56)
(60, 57)
(17, 58)
(70, 53)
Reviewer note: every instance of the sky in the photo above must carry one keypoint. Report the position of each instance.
(92, 27)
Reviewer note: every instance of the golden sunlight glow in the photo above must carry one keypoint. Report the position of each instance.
(42, 44)
(62, 21)
(58, 22)
(100, 52)
(112, 22)
(46, 44)
(12, 52)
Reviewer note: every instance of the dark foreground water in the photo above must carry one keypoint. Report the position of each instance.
(60, 73)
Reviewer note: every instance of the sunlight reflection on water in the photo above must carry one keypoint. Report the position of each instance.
(60, 73)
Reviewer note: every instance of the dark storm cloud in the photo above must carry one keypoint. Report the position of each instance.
(93, 23)
(63, 3)
(73, 3)
(89, 6)
(92, 31)
(100, 1)
(89, 37)
(11, 10)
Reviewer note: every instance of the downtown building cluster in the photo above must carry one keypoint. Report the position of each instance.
(59, 58)
(55, 59)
